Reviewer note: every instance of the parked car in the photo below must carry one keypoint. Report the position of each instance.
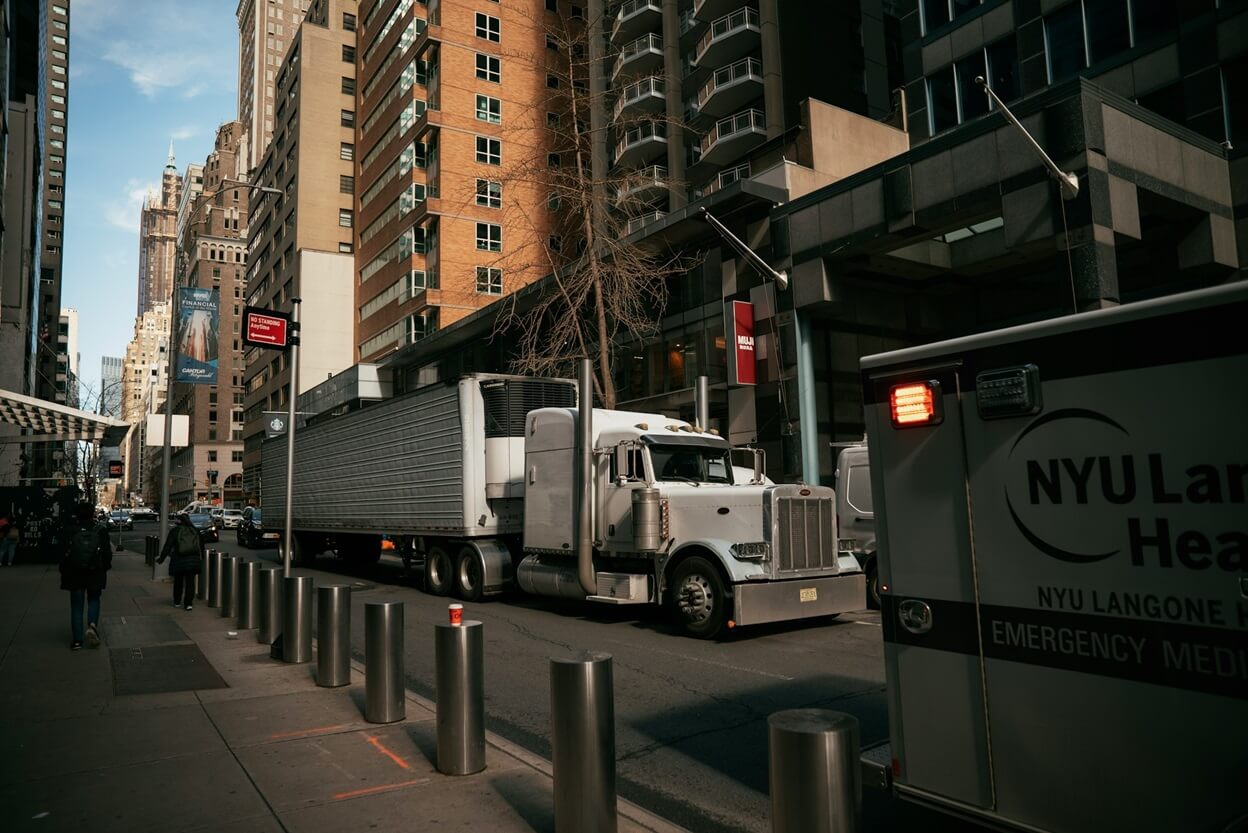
(119, 519)
(202, 521)
(251, 531)
(144, 513)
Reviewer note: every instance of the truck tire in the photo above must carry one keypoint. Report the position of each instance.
(697, 598)
(873, 585)
(469, 576)
(303, 553)
(439, 572)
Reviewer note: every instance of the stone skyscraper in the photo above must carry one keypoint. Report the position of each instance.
(265, 30)
(158, 239)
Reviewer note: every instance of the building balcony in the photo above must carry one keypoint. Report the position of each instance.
(730, 37)
(731, 88)
(642, 56)
(635, 18)
(649, 95)
(638, 223)
(723, 179)
(712, 9)
(641, 144)
(645, 186)
(731, 137)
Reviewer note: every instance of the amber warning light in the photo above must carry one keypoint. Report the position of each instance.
(915, 404)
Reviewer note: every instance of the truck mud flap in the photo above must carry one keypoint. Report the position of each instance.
(782, 601)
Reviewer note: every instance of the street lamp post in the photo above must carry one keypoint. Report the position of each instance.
(291, 415)
(166, 455)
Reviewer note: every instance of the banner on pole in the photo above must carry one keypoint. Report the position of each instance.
(196, 331)
(742, 365)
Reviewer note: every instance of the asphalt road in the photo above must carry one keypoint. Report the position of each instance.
(691, 715)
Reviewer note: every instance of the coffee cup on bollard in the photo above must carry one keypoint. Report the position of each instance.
(815, 773)
(384, 700)
(297, 619)
(582, 740)
(270, 605)
(214, 577)
(455, 613)
(229, 586)
(248, 595)
(333, 635)
(459, 660)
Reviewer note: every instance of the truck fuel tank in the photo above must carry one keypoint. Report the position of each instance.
(647, 520)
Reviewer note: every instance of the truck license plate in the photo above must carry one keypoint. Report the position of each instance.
(808, 594)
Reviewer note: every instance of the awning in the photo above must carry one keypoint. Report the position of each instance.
(51, 422)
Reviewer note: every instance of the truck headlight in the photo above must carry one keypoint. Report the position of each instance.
(755, 551)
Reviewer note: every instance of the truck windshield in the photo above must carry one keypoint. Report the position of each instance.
(691, 464)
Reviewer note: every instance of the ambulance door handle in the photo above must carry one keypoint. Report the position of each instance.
(915, 616)
(1243, 587)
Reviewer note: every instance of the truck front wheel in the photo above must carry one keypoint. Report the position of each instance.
(439, 572)
(697, 598)
(873, 585)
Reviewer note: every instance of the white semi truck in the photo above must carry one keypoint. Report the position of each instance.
(494, 482)
(1062, 519)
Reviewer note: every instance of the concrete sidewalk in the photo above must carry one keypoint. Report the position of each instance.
(172, 725)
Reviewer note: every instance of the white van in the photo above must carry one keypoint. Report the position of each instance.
(855, 513)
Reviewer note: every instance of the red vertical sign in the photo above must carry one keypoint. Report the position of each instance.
(741, 354)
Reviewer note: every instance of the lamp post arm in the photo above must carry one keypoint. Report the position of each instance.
(1068, 182)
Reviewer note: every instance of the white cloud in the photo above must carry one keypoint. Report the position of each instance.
(186, 131)
(124, 212)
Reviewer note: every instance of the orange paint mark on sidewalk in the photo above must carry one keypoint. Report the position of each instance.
(381, 747)
(380, 789)
(320, 730)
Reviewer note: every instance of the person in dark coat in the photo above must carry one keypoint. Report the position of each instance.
(185, 550)
(85, 561)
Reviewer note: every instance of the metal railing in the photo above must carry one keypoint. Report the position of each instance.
(729, 75)
(641, 133)
(631, 94)
(633, 49)
(744, 122)
(631, 8)
(637, 223)
(654, 176)
(726, 26)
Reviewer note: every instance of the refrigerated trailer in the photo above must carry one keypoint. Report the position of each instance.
(1063, 556)
(479, 483)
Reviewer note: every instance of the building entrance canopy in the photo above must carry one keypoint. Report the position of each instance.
(50, 422)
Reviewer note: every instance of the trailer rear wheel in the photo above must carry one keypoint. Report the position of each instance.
(469, 576)
(439, 572)
(697, 598)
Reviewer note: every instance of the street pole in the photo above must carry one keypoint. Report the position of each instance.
(288, 539)
(166, 452)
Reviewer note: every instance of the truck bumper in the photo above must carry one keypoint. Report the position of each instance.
(780, 601)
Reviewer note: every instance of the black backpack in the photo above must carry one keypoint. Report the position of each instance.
(84, 549)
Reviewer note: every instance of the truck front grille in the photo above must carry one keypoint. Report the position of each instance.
(806, 534)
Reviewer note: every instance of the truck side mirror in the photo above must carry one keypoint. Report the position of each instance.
(622, 473)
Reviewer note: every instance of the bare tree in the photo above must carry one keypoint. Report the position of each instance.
(603, 287)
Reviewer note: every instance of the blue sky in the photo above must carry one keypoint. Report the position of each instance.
(142, 72)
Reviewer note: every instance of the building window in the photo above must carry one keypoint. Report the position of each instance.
(346, 248)
(554, 243)
(345, 217)
(346, 151)
(552, 201)
(348, 118)
(552, 5)
(552, 160)
(1152, 18)
(489, 151)
(552, 81)
(1108, 28)
(489, 280)
(348, 54)
(489, 109)
(487, 27)
(489, 193)
(212, 455)
(942, 101)
(578, 13)
(552, 120)
(936, 13)
(489, 237)
(489, 68)
(236, 456)
(346, 184)
(1063, 42)
(348, 85)
(348, 22)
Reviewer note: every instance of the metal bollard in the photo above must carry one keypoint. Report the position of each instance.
(201, 583)
(229, 586)
(333, 635)
(459, 651)
(582, 739)
(214, 577)
(815, 778)
(297, 619)
(151, 549)
(270, 605)
(248, 595)
(383, 662)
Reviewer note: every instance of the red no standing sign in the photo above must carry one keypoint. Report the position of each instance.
(266, 328)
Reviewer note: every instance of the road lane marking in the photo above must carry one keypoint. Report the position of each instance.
(724, 665)
(383, 749)
(379, 789)
(868, 624)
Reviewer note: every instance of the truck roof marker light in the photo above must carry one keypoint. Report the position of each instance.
(915, 404)
(642, 426)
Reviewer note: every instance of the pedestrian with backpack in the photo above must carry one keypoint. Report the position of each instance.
(185, 551)
(85, 562)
